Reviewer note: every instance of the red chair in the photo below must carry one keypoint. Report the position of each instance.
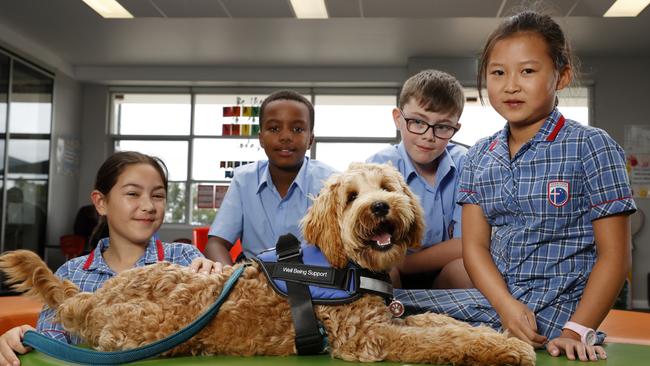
(72, 245)
(200, 235)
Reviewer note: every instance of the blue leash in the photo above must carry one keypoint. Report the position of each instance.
(70, 353)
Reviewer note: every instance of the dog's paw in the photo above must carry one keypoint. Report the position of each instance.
(525, 354)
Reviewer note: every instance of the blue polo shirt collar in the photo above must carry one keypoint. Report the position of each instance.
(547, 133)
(446, 165)
(97, 259)
(300, 181)
(551, 127)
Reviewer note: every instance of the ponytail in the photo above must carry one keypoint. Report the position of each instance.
(99, 232)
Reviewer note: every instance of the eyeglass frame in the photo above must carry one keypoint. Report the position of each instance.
(429, 126)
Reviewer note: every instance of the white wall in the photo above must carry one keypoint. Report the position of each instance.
(62, 197)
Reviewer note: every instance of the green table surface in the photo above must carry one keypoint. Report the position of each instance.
(617, 355)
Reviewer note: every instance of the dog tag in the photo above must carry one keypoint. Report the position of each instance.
(396, 308)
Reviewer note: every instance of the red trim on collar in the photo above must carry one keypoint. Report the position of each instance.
(556, 130)
(493, 144)
(160, 250)
(89, 261)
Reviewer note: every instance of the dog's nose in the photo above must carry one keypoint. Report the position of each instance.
(380, 208)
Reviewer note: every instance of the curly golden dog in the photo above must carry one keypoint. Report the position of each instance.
(142, 305)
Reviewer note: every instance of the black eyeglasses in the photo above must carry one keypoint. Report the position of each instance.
(420, 127)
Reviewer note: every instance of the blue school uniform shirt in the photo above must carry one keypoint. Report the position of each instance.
(89, 273)
(540, 204)
(442, 215)
(253, 211)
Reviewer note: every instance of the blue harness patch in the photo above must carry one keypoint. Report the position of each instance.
(326, 285)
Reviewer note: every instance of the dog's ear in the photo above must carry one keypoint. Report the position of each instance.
(321, 224)
(355, 165)
(417, 229)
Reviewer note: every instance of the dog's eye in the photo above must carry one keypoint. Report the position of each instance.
(352, 196)
(387, 187)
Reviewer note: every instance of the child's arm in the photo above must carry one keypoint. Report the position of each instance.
(218, 250)
(515, 316)
(432, 258)
(11, 344)
(613, 243)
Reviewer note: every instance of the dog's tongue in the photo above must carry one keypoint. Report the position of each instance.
(382, 239)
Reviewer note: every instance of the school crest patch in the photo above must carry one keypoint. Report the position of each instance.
(558, 193)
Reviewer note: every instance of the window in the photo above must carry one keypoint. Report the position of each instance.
(201, 136)
(26, 95)
(480, 120)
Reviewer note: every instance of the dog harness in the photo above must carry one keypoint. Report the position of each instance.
(303, 275)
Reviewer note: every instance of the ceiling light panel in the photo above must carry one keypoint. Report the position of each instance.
(309, 9)
(626, 8)
(108, 8)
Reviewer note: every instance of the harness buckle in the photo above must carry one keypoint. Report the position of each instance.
(288, 254)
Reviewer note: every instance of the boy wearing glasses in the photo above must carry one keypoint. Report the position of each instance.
(430, 105)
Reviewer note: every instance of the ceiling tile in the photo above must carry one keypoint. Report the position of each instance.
(141, 8)
(191, 8)
(555, 8)
(259, 8)
(430, 8)
(343, 8)
(592, 8)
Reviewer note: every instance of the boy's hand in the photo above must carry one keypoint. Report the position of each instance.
(520, 321)
(568, 344)
(395, 278)
(205, 266)
(11, 343)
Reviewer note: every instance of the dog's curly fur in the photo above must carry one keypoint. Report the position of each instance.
(146, 304)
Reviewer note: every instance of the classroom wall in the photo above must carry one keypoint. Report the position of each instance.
(621, 95)
(62, 197)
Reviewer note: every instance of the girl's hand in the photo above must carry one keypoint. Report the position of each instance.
(205, 266)
(11, 343)
(568, 344)
(520, 321)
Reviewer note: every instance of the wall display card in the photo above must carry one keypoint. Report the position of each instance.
(219, 194)
(233, 111)
(245, 129)
(637, 151)
(205, 196)
(67, 156)
(247, 111)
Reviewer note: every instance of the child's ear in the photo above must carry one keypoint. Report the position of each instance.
(565, 77)
(99, 201)
(311, 140)
(396, 117)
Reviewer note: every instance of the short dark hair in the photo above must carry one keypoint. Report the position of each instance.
(529, 21)
(288, 95)
(435, 91)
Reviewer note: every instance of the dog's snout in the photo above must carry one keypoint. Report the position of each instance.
(380, 208)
